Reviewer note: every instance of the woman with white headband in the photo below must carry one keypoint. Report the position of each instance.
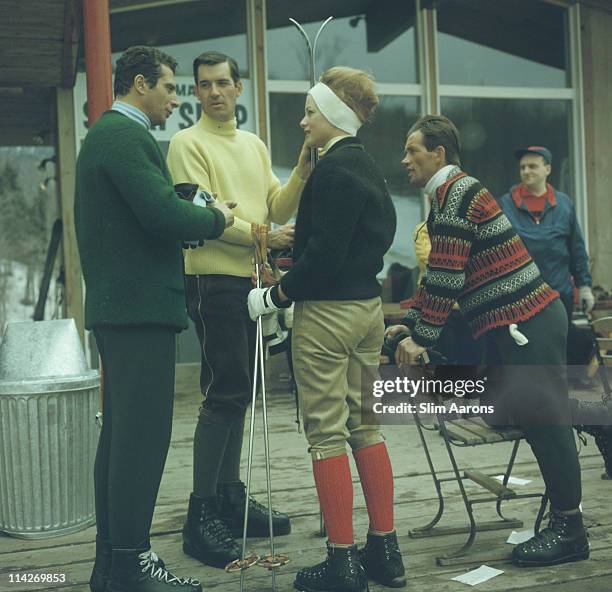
(345, 224)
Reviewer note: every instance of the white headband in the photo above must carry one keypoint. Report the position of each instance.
(336, 111)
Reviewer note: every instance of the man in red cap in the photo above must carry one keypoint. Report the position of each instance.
(545, 218)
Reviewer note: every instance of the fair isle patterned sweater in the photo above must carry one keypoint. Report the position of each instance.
(476, 259)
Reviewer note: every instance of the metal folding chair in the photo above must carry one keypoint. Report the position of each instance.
(464, 433)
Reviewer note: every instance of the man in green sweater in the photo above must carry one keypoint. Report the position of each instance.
(235, 165)
(129, 225)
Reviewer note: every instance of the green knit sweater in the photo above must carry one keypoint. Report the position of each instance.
(130, 224)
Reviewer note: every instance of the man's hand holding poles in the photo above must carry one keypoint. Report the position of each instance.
(408, 352)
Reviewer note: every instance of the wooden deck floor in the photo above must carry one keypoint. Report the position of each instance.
(294, 492)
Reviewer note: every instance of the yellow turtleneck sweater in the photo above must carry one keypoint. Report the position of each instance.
(235, 165)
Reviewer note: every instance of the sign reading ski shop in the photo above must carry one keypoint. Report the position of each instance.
(185, 115)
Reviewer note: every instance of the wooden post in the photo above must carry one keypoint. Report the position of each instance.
(66, 160)
(256, 34)
(596, 56)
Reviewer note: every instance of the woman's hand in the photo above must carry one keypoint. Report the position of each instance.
(267, 276)
(303, 163)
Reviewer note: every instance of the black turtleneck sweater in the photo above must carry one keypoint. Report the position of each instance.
(345, 224)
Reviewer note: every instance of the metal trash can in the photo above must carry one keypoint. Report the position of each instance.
(48, 431)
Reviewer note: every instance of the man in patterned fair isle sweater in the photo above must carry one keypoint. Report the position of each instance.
(478, 260)
(129, 225)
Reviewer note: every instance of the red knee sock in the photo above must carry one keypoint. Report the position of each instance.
(376, 478)
(335, 489)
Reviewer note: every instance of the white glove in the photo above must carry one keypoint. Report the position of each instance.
(270, 325)
(288, 319)
(260, 303)
(273, 334)
(587, 300)
(518, 337)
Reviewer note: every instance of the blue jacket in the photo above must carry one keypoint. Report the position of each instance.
(555, 242)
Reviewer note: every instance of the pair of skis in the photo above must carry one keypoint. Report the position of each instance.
(259, 232)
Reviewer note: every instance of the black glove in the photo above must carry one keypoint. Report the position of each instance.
(189, 192)
(192, 244)
(282, 258)
(186, 191)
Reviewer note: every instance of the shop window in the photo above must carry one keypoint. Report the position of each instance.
(492, 129)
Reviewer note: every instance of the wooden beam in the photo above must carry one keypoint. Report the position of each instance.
(257, 57)
(66, 152)
(34, 19)
(73, 25)
(30, 62)
(597, 85)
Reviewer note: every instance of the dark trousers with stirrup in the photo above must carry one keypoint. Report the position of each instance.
(217, 304)
(138, 366)
(530, 390)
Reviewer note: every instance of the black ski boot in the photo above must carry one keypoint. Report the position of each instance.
(231, 496)
(382, 560)
(102, 566)
(139, 570)
(205, 536)
(340, 572)
(563, 541)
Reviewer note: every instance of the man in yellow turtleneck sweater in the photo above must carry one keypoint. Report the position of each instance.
(235, 165)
